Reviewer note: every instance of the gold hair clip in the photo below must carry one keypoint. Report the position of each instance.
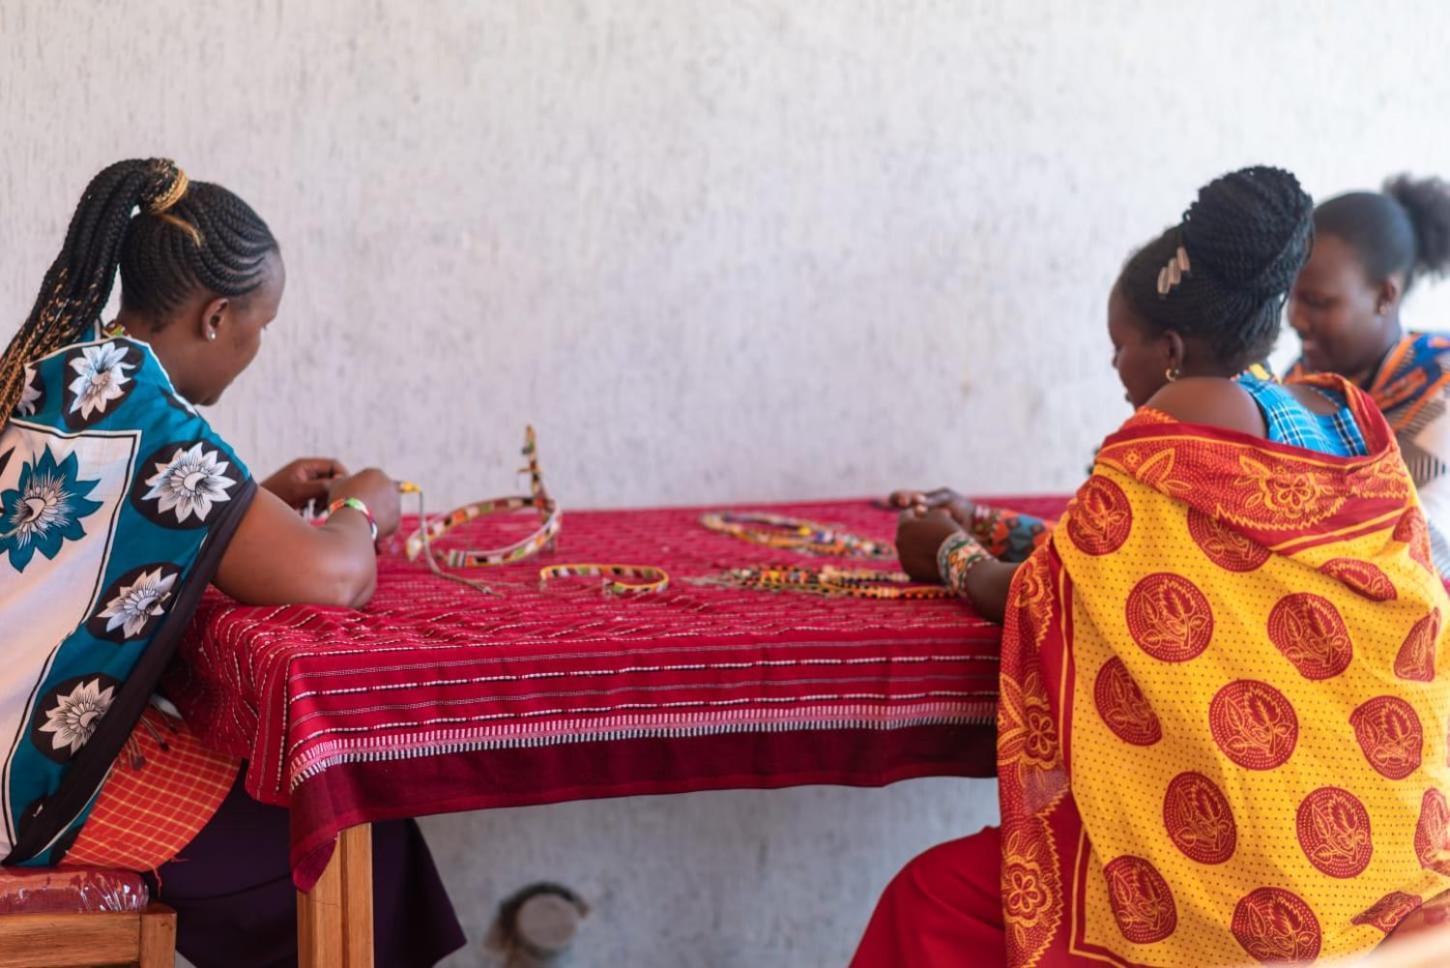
(172, 195)
(1172, 274)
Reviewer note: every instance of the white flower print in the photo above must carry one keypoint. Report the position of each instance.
(30, 395)
(190, 483)
(44, 509)
(77, 714)
(101, 377)
(138, 602)
(44, 505)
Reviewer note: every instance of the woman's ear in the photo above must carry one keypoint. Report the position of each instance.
(1388, 293)
(1174, 351)
(213, 314)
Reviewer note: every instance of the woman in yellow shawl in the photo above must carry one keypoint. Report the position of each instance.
(1222, 724)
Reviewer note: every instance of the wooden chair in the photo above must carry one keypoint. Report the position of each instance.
(69, 919)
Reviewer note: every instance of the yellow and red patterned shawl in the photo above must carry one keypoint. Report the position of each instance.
(1222, 732)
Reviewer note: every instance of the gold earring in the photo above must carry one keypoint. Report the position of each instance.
(1172, 373)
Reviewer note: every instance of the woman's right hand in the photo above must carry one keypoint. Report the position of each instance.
(378, 491)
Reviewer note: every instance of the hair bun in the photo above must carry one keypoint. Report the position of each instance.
(1427, 202)
(166, 184)
(1250, 230)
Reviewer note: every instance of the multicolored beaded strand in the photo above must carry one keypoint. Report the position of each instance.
(827, 581)
(795, 534)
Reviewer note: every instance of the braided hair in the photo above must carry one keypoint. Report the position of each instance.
(1242, 242)
(187, 235)
(1403, 229)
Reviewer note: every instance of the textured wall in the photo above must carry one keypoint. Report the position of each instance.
(714, 250)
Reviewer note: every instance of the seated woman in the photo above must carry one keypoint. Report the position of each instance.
(1370, 249)
(118, 505)
(1221, 732)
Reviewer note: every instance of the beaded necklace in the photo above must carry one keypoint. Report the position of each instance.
(795, 534)
(420, 542)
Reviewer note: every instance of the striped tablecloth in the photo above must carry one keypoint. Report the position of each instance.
(437, 698)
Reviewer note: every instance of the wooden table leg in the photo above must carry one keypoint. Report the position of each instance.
(335, 918)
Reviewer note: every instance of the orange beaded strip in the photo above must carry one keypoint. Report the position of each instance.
(654, 579)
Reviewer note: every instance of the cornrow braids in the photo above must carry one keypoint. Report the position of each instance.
(1243, 241)
(210, 239)
(78, 283)
(186, 236)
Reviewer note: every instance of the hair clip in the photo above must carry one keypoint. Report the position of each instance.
(1172, 274)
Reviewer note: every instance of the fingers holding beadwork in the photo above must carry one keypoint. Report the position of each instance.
(305, 479)
(904, 498)
(942, 497)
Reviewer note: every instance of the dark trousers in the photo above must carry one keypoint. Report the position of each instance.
(236, 906)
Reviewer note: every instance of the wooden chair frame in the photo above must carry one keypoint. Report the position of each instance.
(143, 938)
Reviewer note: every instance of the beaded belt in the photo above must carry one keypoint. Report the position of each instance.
(650, 579)
(795, 534)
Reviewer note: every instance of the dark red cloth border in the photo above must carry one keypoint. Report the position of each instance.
(365, 792)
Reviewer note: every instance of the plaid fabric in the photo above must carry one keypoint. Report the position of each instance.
(437, 698)
(164, 788)
(1289, 422)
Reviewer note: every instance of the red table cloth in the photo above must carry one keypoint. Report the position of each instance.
(438, 698)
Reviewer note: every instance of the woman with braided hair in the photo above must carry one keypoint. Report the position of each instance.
(118, 505)
(1221, 730)
(1371, 249)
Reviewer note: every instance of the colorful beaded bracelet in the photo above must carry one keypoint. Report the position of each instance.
(794, 534)
(355, 504)
(653, 579)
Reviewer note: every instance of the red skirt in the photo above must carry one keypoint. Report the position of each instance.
(943, 909)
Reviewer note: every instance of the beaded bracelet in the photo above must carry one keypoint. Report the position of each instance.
(355, 504)
(957, 555)
(420, 542)
(794, 534)
(654, 579)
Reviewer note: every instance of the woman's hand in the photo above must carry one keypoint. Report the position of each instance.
(919, 535)
(305, 479)
(378, 491)
(960, 508)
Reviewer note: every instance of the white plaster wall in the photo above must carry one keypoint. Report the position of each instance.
(714, 250)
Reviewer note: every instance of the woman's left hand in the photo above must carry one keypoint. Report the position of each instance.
(305, 479)
(918, 537)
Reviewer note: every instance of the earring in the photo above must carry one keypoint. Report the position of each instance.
(211, 336)
(1172, 373)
